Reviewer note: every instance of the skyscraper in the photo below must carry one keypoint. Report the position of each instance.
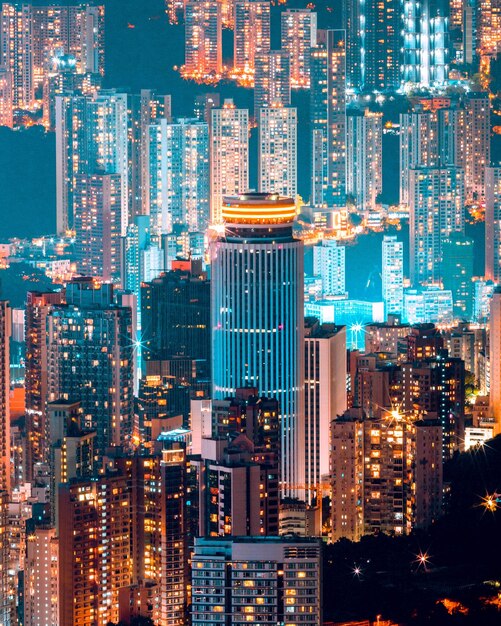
(364, 158)
(457, 272)
(252, 34)
(328, 122)
(5, 598)
(62, 78)
(16, 50)
(38, 305)
(124, 536)
(70, 28)
(493, 224)
(144, 108)
(325, 397)
(425, 47)
(374, 41)
(41, 576)
(329, 265)
(229, 155)
(478, 143)
(203, 38)
(33, 34)
(436, 209)
(299, 36)
(419, 138)
(278, 151)
(5, 331)
(272, 83)
(204, 103)
(257, 314)
(90, 357)
(443, 133)
(178, 180)
(495, 360)
(98, 225)
(6, 118)
(175, 320)
(91, 138)
(393, 274)
(347, 475)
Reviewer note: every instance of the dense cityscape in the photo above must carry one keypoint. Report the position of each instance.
(250, 312)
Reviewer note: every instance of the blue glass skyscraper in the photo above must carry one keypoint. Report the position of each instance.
(257, 314)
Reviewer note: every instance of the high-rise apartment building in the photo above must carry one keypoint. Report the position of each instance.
(78, 584)
(488, 25)
(62, 78)
(38, 306)
(229, 155)
(392, 274)
(91, 138)
(203, 38)
(495, 360)
(299, 36)
(98, 225)
(478, 143)
(373, 44)
(142, 261)
(436, 206)
(419, 147)
(252, 34)
(264, 563)
(457, 273)
(425, 46)
(364, 158)
(204, 103)
(236, 507)
(278, 151)
(33, 34)
(272, 83)
(428, 305)
(328, 118)
(41, 607)
(436, 386)
(178, 180)
(428, 472)
(325, 397)
(443, 133)
(257, 314)
(329, 265)
(175, 320)
(5, 597)
(236, 444)
(5, 332)
(124, 536)
(386, 474)
(6, 117)
(90, 359)
(493, 224)
(144, 108)
(73, 28)
(347, 475)
(16, 50)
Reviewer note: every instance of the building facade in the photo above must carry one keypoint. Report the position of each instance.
(257, 314)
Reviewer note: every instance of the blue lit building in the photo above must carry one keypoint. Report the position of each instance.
(353, 314)
(178, 175)
(328, 119)
(257, 314)
(428, 306)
